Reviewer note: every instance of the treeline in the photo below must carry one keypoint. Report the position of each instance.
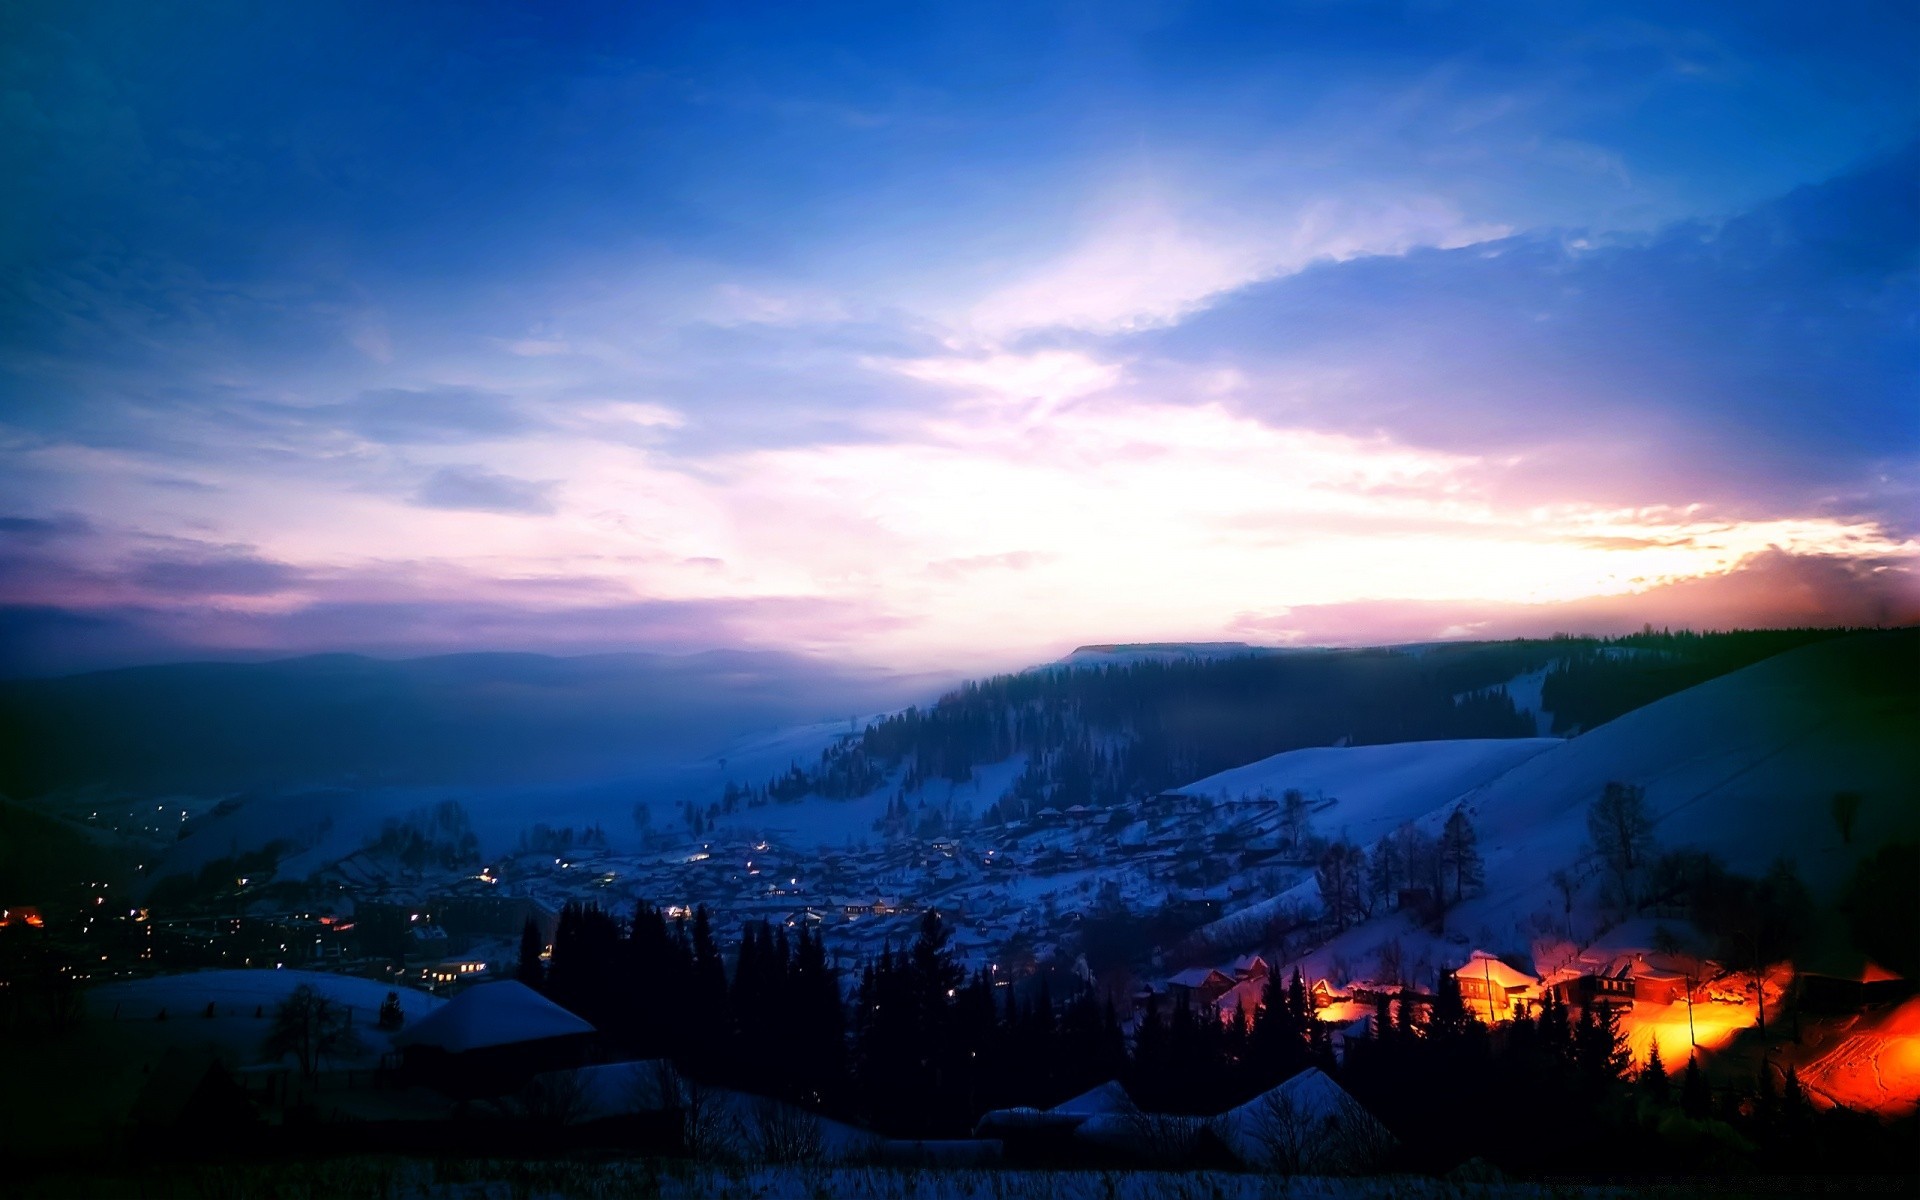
(1112, 733)
(1598, 680)
(917, 1047)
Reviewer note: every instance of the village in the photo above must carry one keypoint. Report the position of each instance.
(1020, 897)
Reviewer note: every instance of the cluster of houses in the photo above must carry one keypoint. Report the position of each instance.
(1496, 990)
(1009, 891)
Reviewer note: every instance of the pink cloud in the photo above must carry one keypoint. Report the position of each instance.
(1769, 589)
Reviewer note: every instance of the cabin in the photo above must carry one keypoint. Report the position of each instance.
(1656, 982)
(1589, 983)
(1198, 987)
(1842, 983)
(1491, 987)
(1250, 966)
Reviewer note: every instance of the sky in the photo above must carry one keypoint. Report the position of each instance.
(949, 336)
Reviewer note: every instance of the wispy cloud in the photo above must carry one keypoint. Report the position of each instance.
(476, 489)
(1145, 261)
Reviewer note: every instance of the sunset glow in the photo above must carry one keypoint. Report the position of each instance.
(818, 360)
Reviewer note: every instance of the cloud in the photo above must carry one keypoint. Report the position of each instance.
(439, 414)
(476, 489)
(1146, 262)
(43, 529)
(215, 574)
(1770, 588)
(1039, 381)
(43, 640)
(1755, 364)
(1012, 560)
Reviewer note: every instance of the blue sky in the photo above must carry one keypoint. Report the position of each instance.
(936, 334)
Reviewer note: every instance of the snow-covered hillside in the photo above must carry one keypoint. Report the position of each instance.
(1744, 766)
(1365, 791)
(233, 1028)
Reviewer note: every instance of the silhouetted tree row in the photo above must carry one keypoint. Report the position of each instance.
(1595, 681)
(923, 1049)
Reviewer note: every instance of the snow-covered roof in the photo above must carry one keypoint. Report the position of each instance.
(492, 1014)
(1109, 1097)
(1248, 994)
(1482, 965)
(1194, 977)
(1308, 1124)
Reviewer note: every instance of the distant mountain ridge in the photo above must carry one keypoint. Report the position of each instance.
(215, 727)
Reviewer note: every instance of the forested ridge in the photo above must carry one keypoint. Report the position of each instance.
(1111, 733)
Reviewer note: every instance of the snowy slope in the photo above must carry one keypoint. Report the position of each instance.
(1375, 788)
(1744, 766)
(236, 995)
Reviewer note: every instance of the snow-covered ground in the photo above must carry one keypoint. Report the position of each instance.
(1374, 788)
(237, 996)
(562, 1179)
(328, 824)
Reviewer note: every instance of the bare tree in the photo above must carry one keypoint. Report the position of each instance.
(1163, 1139)
(310, 1027)
(1565, 884)
(1282, 1133)
(1289, 1138)
(1392, 960)
(1340, 875)
(1621, 830)
(1387, 868)
(707, 1129)
(1296, 820)
(786, 1134)
(557, 1098)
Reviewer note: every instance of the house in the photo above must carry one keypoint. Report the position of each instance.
(1198, 986)
(454, 970)
(1046, 1136)
(1844, 982)
(1249, 966)
(1585, 982)
(1657, 982)
(1245, 996)
(1490, 986)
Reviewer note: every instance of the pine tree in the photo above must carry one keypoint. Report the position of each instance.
(1696, 1099)
(1599, 1046)
(1653, 1076)
(530, 970)
(1450, 1016)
